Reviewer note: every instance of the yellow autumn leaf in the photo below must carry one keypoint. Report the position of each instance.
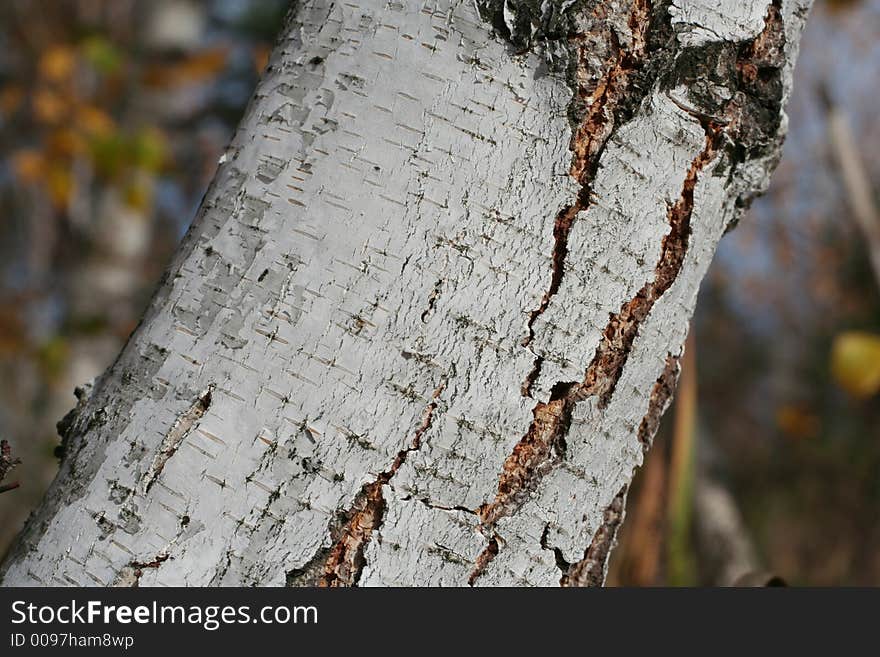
(64, 142)
(49, 106)
(138, 196)
(94, 121)
(60, 185)
(260, 55)
(149, 149)
(855, 362)
(57, 63)
(198, 67)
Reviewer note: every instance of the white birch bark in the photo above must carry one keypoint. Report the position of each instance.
(429, 314)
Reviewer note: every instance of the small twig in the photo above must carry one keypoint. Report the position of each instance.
(7, 463)
(854, 176)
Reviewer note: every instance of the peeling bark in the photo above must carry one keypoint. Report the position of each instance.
(435, 291)
(175, 437)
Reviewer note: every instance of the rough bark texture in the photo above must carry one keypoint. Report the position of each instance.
(430, 312)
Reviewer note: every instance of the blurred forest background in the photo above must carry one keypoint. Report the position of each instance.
(113, 114)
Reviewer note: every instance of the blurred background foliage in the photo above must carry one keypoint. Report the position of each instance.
(113, 114)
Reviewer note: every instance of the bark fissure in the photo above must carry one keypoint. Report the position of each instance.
(758, 64)
(432, 299)
(172, 440)
(542, 447)
(587, 144)
(613, 351)
(561, 563)
(533, 456)
(345, 560)
(661, 394)
(592, 569)
(561, 230)
(485, 558)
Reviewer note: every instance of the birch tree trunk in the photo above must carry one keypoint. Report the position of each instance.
(426, 322)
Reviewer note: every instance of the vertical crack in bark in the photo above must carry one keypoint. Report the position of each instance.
(536, 454)
(597, 126)
(587, 144)
(345, 560)
(561, 230)
(484, 558)
(432, 299)
(543, 446)
(661, 395)
(172, 440)
(531, 458)
(613, 351)
(750, 116)
(592, 569)
(561, 562)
